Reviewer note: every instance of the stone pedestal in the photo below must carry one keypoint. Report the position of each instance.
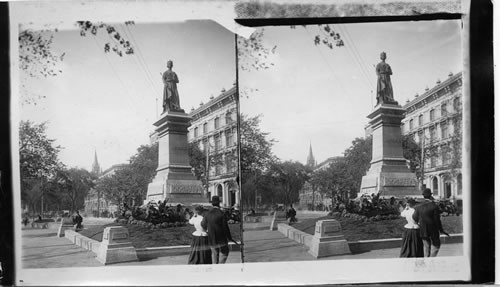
(116, 246)
(279, 217)
(174, 180)
(388, 174)
(328, 239)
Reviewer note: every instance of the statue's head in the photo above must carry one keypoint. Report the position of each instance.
(170, 64)
(383, 56)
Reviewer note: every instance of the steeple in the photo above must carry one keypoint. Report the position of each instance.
(96, 169)
(310, 158)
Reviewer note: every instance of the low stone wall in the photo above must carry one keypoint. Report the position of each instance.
(82, 241)
(142, 253)
(154, 252)
(361, 245)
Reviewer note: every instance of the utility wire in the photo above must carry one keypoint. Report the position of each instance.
(140, 60)
(130, 101)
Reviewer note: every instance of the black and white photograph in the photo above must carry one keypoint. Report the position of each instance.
(128, 144)
(351, 138)
(241, 143)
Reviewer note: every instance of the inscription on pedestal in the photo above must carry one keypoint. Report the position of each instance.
(394, 181)
(184, 188)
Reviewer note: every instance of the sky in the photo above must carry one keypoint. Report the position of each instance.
(320, 97)
(105, 103)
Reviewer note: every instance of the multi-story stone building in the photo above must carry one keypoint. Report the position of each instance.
(434, 120)
(214, 129)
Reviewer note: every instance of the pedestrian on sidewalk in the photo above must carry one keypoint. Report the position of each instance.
(219, 235)
(412, 242)
(429, 219)
(200, 250)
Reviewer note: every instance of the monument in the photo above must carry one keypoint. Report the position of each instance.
(388, 174)
(174, 180)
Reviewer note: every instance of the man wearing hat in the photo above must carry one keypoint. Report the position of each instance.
(218, 232)
(428, 217)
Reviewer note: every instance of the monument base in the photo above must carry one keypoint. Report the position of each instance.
(174, 180)
(388, 175)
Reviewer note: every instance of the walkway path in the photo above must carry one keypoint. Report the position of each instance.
(272, 246)
(41, 248)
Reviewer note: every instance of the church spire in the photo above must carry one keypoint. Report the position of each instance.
(310, 158)
(96, 169)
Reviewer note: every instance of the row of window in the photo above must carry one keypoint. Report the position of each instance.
(432, 114)
(216, 124)
(227, 166)
(433, 132)
(442, 158)
(230, 140)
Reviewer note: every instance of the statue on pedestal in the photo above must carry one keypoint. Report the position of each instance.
(170, 93)
(384, 86)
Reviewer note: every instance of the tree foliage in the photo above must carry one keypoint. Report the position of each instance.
(256, 149)
(73, 185)
(38, 155)
(37, 58)
(253, 54)
(290, 176)
(129, 184)
(357, 159)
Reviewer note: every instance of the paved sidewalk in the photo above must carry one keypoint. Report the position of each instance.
(42, 249)
(272, 246)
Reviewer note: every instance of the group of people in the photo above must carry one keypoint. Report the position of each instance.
(423, 228)
(210, 243)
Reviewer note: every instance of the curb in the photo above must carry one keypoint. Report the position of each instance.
(359, 246)
(142, 253)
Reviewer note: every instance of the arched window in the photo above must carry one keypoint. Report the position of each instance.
(420, 120)
(435, 187)
(229, 117)
(216, 123)
(205, 128)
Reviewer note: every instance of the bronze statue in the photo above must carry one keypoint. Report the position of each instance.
(384, 86)
(170, 93)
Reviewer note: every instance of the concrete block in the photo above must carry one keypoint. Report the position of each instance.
(328, 240)
(284, 228)
(116, 246)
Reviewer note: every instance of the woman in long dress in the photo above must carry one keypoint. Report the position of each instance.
(200, 250)
(412, 243)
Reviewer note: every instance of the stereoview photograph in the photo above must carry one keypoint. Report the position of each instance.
(351, 141)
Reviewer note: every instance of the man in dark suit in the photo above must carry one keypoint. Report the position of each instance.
(218, 231)
(428, 217)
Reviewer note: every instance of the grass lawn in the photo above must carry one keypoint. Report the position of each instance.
(142, 237)
(357, 230)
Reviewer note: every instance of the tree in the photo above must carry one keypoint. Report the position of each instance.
(256, 150)
(73, 184)
(357, 159)
(333, 181)
(253, 54)
(290, 176)
(38, 161)
(37, 58)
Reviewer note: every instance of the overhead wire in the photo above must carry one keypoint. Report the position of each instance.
(113, 70)
(138, 56)
(351, 46)
(327, 62)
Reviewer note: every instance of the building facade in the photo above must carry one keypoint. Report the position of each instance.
(214, 129)
(95, 204)
(434, 120)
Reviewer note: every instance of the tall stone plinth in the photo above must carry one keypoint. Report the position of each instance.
(388, 174)
(174, 180)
